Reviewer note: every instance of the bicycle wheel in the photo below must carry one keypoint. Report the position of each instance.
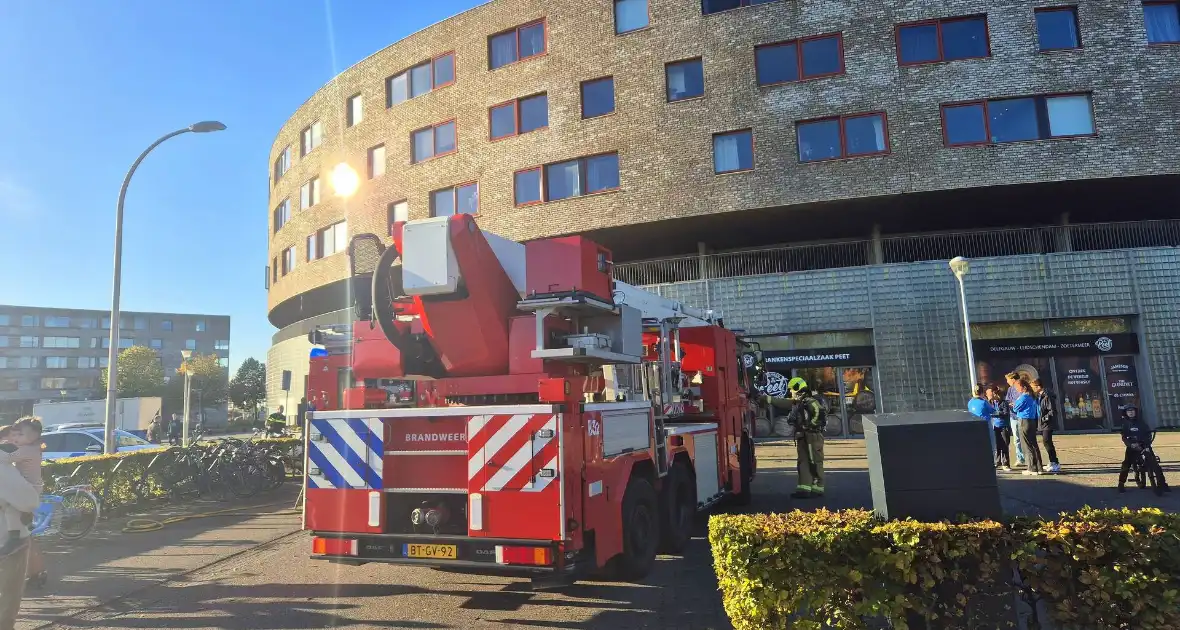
(1155, 476)
(79, 513)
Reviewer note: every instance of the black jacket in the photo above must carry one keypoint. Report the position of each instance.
(1048, 405)
(1135, 431)
(1003, 409)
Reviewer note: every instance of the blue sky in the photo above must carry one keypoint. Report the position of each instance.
(88, 85)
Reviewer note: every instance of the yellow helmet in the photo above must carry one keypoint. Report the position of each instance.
(797, 385)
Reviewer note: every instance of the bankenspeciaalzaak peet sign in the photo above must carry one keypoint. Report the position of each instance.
(1068, 346)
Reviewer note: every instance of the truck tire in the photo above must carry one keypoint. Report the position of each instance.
(678, 508)
(745, 471)
(641, 530)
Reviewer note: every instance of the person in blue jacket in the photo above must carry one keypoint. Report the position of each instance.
(1028, 414)
(1000, 428)
(979, 406)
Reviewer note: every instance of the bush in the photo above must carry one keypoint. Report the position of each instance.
(122, 471)
(1094, 568)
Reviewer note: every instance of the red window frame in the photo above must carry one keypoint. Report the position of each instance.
(1077, 27)
(348, 118)
(287, 267)
(434, 141)
(517, 29)
(279, 224)
(668, 94)
(987, 130)
(1175, 3)
(455, 197)
(844, 137)
(409, 79)
(582, 96)
(581, 179)
(749, 130)
(454, 70)
(369, 162)
(390, 210)
(798, 44)
(515, 103)
(987, 35)
(540, 170)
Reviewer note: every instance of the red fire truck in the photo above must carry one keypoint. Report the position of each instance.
(511, 408)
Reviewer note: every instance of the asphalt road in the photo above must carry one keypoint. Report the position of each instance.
(275, 585)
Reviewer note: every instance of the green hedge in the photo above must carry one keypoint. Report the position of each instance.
(812, 570)
(96, 470)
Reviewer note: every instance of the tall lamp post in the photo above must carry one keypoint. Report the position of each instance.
(959, 267)
(188, 392)
(113, 354)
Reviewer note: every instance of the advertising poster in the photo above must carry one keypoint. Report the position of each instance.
(1122, 384)
(1080, 394)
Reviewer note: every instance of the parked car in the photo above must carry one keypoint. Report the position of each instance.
(82, 439)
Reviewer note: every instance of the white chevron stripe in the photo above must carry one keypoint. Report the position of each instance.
(542, 482)
(339, 464)
(519, 460)
(376, 459)
(493, 445)
(355, 442)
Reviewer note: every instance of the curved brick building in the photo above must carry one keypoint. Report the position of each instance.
(806, 166)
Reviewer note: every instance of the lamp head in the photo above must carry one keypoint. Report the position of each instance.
(206, 126)
(959, 266)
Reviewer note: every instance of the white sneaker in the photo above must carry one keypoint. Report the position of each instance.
(1028, 472)
(1007, 469)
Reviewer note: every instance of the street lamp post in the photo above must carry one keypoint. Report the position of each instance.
(188, 384)
(959, 267)
(113, 353)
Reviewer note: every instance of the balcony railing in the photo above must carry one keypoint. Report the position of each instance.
(903, 249)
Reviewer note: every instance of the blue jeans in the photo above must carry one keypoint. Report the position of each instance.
(1017, 440)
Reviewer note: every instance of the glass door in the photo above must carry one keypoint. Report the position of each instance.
(858, 397)
(1122, 385)
(1083, 403)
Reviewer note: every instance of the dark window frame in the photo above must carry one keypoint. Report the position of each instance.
(455, 197)
(614, 101)
(1077, 26)
(745, 4)
(318, 237)
(544, 22)
(348, 114)
(582, 161)
(938, 23)
(434, 141)
(986, 103)
(753, 153)
(515, 103)
(843, 119)
(409, 79)
(288, 265)
(615, 18)
(1174, 3)
(369, 162)
(390, 210)
(275, 218)
(704, 87)
(798, 43)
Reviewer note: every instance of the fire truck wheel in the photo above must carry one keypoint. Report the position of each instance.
(641, 530)
(678, 508)
(745, 471)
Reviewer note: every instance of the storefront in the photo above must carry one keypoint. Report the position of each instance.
(839, 367)
(1088, 364)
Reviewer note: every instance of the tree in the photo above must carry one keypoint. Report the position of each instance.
(247, 390)
(140, 373)
(208, 378)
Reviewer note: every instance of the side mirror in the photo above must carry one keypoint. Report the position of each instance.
(94, 448)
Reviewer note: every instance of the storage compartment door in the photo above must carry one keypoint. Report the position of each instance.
(513, 467)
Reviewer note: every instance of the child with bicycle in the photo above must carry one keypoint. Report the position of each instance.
(1137, 438)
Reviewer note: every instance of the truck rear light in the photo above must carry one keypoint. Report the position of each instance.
(475, 512)
(334, 546)
(538, 556)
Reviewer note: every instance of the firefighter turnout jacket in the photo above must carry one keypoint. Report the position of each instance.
(805, 413)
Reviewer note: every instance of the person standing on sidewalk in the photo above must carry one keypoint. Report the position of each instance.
(1010, 397)
(1000, 428)
(1027, 416)
(979, 406)
(807, 417)
(1048, 407)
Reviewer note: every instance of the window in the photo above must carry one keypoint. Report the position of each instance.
(288, 260)
(87, 362)
(221, 344)
(27, 363)
(398, 212)
(3, 363)
(807, 58)
(330, 240)
(685, 79)
(583, 176)
(106, 323)
(842, 137)
(282, 165)
(282, 214)
(598, 97)
(124, 342)
(199, 326)
(943, 40)
(716, 6)
(422, 78)
(140, 323)
(3, 341)
(156, 344)
(733, 151)
(86, 322)
(30, 342)
(1057, 28)
(5, 320)
(1162, 20)
(377, 161)
(106, 343)
(309, 193)
(190, 344)
(57, 321)
(274, 270)
(630, 15)
(462, 199)
(1017, 119)
(61, 342)
(356, 109)
(102, 362)
(520, 116)
(432, 142)
(223, 362)
(312, 137)
(518, 44)
(30, 320)
(56, 363)
(166, 324)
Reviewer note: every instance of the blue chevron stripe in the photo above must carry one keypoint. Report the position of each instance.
(327, 471)
(375, 442)
(358, 462)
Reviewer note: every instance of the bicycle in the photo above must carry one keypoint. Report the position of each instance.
(70, 514)
(1148, 470)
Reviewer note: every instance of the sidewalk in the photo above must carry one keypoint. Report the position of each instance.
(109, 564)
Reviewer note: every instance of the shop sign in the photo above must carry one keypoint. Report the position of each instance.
(1072, 345)
(1122, 383)
(823, 357)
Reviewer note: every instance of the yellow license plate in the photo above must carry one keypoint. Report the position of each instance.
(433, 552)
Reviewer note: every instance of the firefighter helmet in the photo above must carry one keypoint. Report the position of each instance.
(797, 385)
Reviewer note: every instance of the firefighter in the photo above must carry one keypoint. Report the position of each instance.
(807, 417)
